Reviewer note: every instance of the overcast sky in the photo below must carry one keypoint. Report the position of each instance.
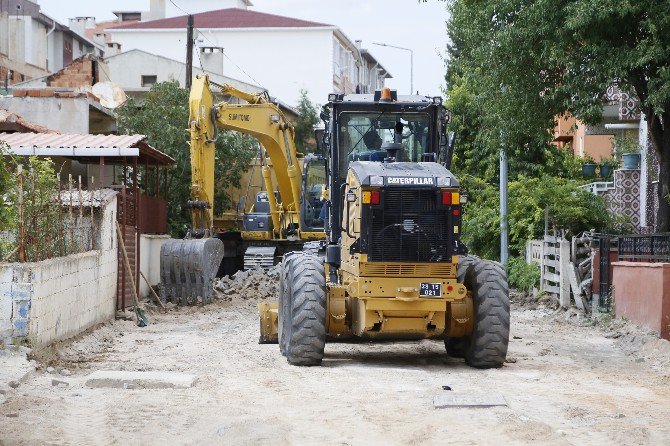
(405, 23)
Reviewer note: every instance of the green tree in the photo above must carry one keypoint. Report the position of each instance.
(521, 63)
(163, 118)
(570, 208)
(304, 128)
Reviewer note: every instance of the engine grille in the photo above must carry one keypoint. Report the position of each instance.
(410, 227)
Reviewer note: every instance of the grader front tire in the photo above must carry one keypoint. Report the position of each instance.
(305, 329)
(486, 347)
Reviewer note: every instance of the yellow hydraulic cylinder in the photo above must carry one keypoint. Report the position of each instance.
(296, 185)
(267, 178)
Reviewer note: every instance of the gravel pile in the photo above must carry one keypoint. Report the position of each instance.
(249, 285)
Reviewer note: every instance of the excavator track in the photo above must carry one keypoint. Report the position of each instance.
(262, 257)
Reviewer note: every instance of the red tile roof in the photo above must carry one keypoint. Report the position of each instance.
(226, 18)
(101, 27)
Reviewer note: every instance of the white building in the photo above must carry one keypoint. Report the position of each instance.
(137, 70)
(282, 54)
(33, 44)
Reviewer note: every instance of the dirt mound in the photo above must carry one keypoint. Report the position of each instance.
(248, 285)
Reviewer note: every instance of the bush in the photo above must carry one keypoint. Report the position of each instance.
(521, 275)
(570, 208)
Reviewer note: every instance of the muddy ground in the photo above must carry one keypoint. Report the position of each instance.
(566, 383)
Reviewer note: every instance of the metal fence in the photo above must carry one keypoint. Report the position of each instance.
(45, 224)
(647, 248)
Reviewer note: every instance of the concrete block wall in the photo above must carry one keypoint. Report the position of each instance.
(55, 299)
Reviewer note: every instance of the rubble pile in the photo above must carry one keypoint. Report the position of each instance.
(253, 284)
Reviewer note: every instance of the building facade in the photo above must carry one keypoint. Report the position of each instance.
(33, 44)
(281, 54)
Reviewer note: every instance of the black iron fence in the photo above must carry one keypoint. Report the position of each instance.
(645, 248)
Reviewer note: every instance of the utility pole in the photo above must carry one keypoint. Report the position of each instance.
(189, 53)
(504, 229)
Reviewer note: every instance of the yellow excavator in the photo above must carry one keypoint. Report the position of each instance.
(281, 218)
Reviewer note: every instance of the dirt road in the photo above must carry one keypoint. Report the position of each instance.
(566, 385)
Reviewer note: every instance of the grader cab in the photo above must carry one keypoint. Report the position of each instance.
(394, 265)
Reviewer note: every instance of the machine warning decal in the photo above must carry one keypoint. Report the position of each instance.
(412, 181)
(429, 289)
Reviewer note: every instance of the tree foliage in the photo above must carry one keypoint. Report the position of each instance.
(570, 208)
(304, 129)
(163, 118)
(514, 65)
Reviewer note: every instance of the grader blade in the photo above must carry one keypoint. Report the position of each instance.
(268, 312)
(188, 268)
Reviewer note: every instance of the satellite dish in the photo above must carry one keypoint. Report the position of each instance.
(110, 95)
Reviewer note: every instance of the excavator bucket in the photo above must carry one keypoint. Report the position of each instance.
(188, 268)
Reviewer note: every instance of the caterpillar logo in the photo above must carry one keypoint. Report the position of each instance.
(412, 181)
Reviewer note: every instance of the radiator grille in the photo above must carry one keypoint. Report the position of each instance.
(444, 270)
(410, 227)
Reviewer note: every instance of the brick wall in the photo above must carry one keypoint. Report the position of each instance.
(55, 299)
(79, 73)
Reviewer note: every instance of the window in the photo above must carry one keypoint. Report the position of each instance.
(362, 134)
(149, 80)
(313, 210)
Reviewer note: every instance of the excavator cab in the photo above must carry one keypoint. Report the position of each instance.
(394, 265)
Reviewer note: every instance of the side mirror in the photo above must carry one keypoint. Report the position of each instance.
(451, 139)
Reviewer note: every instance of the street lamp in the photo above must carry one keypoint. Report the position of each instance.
(411, 62)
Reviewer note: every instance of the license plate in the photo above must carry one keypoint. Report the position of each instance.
(428, 289)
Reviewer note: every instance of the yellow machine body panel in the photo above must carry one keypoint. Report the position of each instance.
(382, 299)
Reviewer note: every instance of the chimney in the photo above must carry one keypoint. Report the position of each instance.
(113, 48)
(156, 11)
(81, 24)
(212, 59)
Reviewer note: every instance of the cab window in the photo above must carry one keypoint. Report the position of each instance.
(361, 136)
(313, 203)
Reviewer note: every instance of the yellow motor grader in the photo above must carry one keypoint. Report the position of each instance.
(394, 265)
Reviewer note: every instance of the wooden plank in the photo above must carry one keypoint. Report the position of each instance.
(576, 290)
(551, 289)
(565, 266)
(551, 263)
(550, 239)
(550, 251)
(552, 277)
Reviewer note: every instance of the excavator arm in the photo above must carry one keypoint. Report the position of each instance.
(189, 266)
(259, 118)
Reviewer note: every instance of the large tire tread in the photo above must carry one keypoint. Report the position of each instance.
(306, 336)
(487, 346)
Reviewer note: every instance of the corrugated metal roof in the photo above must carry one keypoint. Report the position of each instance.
(73, 145)
(51, 140)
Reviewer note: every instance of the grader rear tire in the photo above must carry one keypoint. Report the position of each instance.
(305, 318)
(486, 347)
